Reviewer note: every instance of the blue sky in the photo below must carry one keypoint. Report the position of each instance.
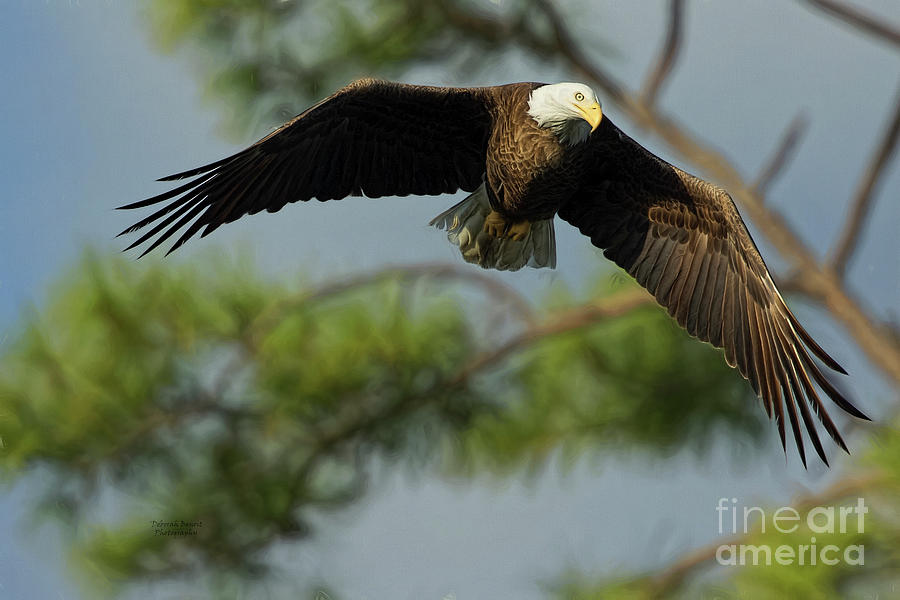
(93, 114)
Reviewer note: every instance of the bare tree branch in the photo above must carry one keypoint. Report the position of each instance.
(782, 155)
(862, 200)
(667, 55)
(874, 26)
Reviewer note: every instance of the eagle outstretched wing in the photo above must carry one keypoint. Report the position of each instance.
(683, 239)
(373, 138)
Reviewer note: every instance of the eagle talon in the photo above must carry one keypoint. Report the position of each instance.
(495, 224)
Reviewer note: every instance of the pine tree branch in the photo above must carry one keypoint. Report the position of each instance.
(345, 427)
(561, 322)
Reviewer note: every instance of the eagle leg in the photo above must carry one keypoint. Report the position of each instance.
(498, 226)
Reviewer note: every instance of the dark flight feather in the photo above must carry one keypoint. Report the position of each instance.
(372, 137)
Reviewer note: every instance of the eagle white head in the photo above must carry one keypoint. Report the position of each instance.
(571, 110)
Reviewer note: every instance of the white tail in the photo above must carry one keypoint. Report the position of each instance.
(464, 223)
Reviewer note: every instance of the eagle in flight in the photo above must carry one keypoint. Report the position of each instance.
(528, 152)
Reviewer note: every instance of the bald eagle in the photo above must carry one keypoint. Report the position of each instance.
(528, 152)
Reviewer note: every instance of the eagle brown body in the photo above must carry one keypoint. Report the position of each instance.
(526, 154)
(529, 170)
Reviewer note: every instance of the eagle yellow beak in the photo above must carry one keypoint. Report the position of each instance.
(592, 114)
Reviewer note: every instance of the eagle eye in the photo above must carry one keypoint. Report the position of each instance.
(579, 96)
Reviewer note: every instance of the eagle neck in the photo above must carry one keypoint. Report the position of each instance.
(570, 132)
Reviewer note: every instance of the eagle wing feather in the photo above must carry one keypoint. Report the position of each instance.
(373, 138)
(683, 239)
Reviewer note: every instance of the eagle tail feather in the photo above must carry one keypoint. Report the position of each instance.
(464, 223)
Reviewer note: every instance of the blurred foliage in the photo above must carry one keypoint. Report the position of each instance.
(203, 394)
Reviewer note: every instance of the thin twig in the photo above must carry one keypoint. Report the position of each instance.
(667, 55)
(782, 155)
(862, 200)
(869, 24)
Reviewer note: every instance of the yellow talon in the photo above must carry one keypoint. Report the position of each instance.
(496, 225)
